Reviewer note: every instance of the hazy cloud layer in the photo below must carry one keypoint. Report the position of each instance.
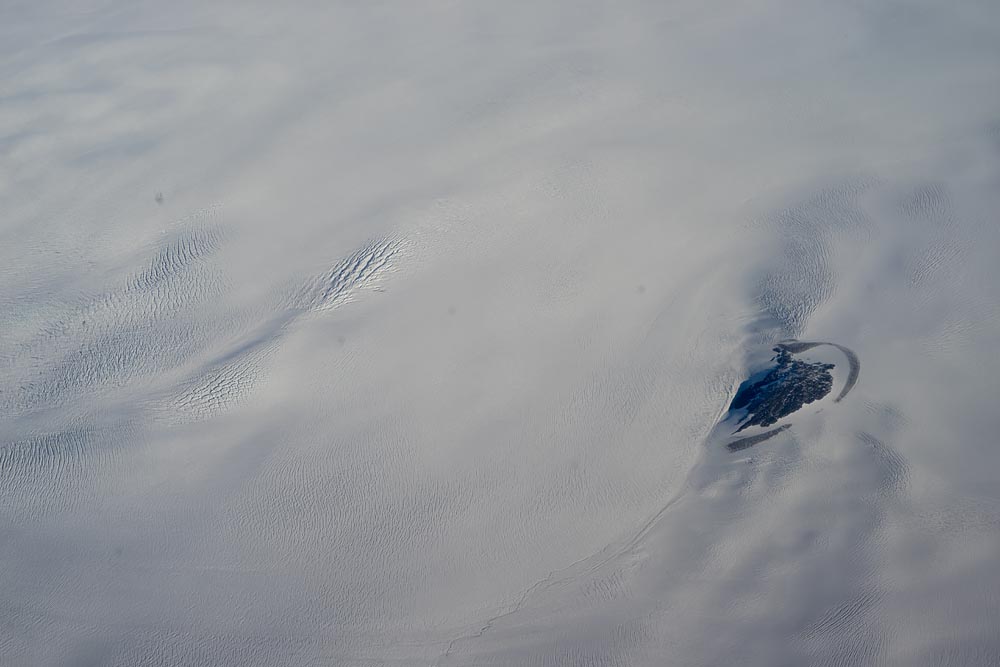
(369, 333)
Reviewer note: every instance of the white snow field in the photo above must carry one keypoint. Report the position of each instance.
(367, 333)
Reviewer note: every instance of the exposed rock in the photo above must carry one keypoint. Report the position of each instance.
(788, 386)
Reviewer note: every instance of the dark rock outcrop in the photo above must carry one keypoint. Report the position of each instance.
(788, 386)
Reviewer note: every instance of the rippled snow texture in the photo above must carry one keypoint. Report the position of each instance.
(360, 333)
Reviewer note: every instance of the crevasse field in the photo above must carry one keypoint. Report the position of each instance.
(395, 333)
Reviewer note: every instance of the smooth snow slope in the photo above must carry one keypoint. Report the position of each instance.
(393, 333)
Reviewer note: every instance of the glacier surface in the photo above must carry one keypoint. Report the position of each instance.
(388, 333)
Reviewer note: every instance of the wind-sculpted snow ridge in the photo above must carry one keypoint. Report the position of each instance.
(236, 369)
(223, 384)
(177, 257)
(156, 325)
(133, 331)
(45, 456)
(802, 277)
(343, 282)
(42, 471)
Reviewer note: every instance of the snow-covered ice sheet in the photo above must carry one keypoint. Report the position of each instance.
(395, 333)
